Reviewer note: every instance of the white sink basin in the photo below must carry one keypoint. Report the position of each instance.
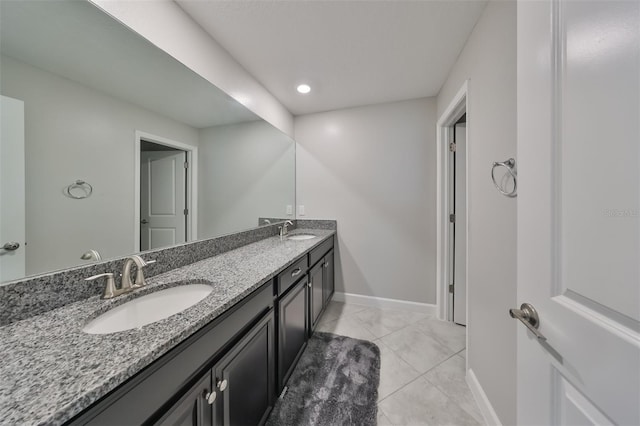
(298, 237)
(148, 309)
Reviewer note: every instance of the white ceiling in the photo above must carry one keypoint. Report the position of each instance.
(350, 52)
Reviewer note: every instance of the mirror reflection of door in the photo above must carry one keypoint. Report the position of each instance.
(163, 200)
(12, 194)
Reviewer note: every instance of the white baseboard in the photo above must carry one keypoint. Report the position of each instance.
(383, 303)
(488, 413)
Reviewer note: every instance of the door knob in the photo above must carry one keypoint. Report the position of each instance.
(528, 315)
(11, 246)
(144, 221)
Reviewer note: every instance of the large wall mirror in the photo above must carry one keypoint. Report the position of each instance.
(110, 146)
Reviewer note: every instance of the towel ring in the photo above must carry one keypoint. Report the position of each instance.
(83, 186)
(510, 165)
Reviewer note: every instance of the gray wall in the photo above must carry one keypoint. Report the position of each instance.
(489, 61)
(232, 193)
(74, 132)
(373, 169)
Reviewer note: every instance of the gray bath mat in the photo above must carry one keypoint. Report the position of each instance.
(334, 383)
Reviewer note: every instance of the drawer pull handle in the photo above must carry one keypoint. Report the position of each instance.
(296, 272)
(222, 385)
(211, 397)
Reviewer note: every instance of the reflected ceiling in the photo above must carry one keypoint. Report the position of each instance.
(45, 34)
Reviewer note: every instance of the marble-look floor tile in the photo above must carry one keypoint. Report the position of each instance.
(394, 371)
(419, 350)
(381, 322)
(337, 310)
(449, 378)
(421, 403)
(448, 334)
(383, 420)
(346, 326)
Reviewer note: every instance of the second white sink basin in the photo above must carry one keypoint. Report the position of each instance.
(148, 309)
(298, 237)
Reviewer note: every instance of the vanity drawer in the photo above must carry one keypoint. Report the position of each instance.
(318, 253)
(292, 274)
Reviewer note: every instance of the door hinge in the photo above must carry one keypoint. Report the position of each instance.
(186, 164)
(452, 218)
(186, 212)
(452, 147)
(451, 288)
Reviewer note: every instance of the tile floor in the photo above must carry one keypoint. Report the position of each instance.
(422, 372)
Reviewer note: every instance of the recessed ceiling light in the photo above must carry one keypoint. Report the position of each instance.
(303, 88)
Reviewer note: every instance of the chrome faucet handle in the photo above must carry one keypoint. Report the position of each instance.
(110, 288)
(285, 231)
(139, 280)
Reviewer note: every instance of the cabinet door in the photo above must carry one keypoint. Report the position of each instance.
(316, 287)
(193, 409)
(244, 378)
(293, 329)
(328, 285)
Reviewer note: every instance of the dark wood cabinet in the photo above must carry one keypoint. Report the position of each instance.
(328, 280)
(321, 280)
(292, 329)
(244, 378)
(193, 409)
(238, 390)
(316, 301)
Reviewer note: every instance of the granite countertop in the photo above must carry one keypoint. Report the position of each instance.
(51, 370)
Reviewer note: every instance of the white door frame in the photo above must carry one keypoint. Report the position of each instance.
(458, 106)
(192, 183)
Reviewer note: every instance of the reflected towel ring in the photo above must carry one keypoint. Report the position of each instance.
(85, 187)
(510, 165)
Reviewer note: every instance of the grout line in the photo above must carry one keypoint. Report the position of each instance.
(400, 388)
(353, 315)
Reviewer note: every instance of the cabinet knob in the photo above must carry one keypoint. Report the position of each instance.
(326, 264)
(222, 385)
(309, 284)
(211, 397)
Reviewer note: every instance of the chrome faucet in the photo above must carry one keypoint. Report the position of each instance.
(283, 229)
(111, 290)
(139, 280)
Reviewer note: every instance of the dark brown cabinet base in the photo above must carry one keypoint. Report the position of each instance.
(244, 378)
(292, 329)
(238, 390)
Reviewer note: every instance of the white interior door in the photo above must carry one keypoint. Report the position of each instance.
(12, 190)
(579, 211)
(162, 199)
(460, 273)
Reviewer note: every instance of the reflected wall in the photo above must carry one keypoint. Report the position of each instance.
(88, 85)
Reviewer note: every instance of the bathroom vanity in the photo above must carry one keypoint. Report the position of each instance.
(224, 360)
